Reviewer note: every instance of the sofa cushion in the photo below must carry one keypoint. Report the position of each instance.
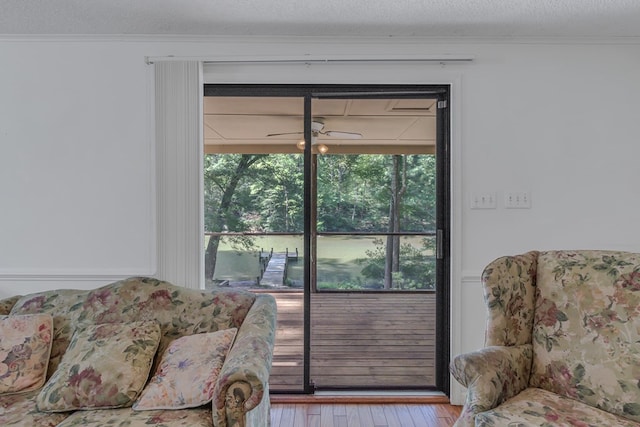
(194, 417)
(65, 307)
(179, 311)
(587, 328)
(187, 372)
(105, 366)
(25, 346)
(537, 407)
(19, 410)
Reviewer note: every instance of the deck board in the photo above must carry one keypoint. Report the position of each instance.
(376, 340)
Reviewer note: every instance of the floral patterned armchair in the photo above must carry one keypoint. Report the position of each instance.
(562, 343)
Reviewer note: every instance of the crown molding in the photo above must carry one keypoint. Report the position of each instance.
(320, 40)
(84, 274)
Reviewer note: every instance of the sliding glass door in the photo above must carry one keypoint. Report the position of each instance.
(336, 197)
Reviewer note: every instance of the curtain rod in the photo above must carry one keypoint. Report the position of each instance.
(312, 59)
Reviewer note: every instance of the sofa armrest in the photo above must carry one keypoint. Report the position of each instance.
(491, 375)
(244, 376)
(7, 304)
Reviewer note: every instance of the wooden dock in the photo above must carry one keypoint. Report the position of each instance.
(275, 264)
(369, 340)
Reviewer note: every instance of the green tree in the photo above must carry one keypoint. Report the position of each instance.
(278, 194)
(411, 207)
(397, 189)
(368, 193)
(350, 192)
(416, 270)
(250, 192)
(222, 177)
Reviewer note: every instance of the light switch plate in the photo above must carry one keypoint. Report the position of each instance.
(517, 200)
(484, 201)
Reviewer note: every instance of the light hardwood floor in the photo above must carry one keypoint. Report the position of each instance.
(363, 415)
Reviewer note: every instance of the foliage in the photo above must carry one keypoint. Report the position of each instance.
(249, 193)
(417, 265)
(340, 286)
(353, 193)
(268, 197)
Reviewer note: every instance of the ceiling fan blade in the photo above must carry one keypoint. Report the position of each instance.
(285, 133)
(342, 135)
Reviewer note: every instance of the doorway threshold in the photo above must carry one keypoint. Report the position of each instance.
(364, 397)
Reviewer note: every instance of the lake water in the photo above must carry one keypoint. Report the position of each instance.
(336, 264)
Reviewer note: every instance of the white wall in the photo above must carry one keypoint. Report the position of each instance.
(559, 120)
(76, 170)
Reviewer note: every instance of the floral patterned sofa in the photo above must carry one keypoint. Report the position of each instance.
(562, 343)
(138, 352)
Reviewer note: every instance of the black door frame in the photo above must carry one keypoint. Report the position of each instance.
(443, 192)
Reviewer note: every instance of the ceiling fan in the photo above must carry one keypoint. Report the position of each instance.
(317, 128)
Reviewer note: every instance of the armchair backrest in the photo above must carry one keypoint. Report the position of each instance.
(586, 331)
(509, 285)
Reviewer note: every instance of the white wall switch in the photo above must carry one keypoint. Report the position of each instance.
(517, 200)
(484, 201)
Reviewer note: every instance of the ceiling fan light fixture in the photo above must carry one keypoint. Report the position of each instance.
(322, 148)
(317, 128)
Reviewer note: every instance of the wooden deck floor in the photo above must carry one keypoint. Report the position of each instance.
(365, 341)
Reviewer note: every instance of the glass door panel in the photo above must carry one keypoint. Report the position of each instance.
(373, 311)
(254, 213)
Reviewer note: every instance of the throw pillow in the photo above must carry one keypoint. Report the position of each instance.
(105, 366)
(25, 346)
(187, 372)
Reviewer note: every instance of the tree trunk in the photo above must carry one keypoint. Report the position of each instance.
(397, 189)
(388, 278)
(211, 257)
(219, 222)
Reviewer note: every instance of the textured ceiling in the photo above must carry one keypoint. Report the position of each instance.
(404, 18)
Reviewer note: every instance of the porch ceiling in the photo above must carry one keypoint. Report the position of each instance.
(238, 121)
